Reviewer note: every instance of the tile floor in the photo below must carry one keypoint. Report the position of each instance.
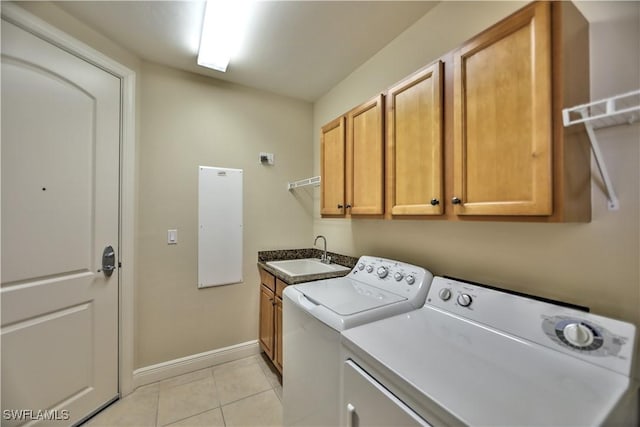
(244, 392)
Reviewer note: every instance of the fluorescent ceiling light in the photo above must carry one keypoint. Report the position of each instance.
(223, 28)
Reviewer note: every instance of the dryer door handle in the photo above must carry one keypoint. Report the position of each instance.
(351, 413)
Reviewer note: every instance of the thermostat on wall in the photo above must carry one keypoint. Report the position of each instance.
(266, 159)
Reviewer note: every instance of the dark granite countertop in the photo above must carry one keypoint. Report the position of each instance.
(287, 254)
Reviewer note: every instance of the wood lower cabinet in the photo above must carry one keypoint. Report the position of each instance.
(277, 360)
(270, 327)
(267, 303)
(414, 161)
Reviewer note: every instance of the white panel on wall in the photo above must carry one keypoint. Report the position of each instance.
(220, 226)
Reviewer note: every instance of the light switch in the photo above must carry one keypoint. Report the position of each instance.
(172, 237)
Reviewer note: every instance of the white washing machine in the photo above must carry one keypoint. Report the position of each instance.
(315, 313)
(478, 356)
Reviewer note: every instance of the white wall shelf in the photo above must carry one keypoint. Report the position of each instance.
(613, 111)
(315, 181)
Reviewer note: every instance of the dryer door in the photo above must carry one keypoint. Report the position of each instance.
(367, 403)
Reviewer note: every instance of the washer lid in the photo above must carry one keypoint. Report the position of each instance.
(346, 297)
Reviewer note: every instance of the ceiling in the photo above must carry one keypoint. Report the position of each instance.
(299, 49)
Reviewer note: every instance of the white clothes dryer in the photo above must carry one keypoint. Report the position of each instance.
(314, 314)
(475, 355)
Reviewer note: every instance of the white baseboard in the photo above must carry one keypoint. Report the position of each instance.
(184, 365)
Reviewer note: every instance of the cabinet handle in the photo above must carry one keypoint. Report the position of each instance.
(435, 202)
(456, 201)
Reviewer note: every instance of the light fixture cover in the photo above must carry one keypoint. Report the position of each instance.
(223, 29)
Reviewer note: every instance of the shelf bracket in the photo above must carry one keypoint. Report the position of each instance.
(315, 181)
(613, 111)
(612, 199)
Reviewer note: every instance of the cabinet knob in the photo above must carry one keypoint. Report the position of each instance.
(348, 206)
(456, 201)
(435, 202)
(340, 206)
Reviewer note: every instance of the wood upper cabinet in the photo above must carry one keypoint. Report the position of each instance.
(503, 118)
(352, 162)
(414, 172)
(365, 158)
(476, 136)
(332, 162)
(511, 154)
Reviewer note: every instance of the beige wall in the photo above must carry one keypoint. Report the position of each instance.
(188, 120)
(595, 264)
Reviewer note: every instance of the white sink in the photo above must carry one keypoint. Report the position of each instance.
(302, 267)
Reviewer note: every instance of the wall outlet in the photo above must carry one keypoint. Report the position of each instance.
(266, 159)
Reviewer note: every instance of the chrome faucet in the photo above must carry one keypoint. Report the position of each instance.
(324, 258)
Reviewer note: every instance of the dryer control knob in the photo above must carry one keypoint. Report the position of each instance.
(398, 276)
(464, 300)
(410, 279)
(361, 266)
(578, 334)
(445, 294)
(369, 268)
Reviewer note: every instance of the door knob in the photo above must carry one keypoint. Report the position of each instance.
(108, 261)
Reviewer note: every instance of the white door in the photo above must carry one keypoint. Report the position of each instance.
(60, 169)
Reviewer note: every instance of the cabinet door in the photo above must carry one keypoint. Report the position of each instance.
(365, 158)
(332, 164)
(277, 361)
(267, 279)
(266, 320)
(414, 144)
(502, 118)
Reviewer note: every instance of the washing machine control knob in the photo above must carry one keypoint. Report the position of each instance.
(445, 294)
(398, 276)
(464, 300)
(382, 272)
(361, 266)
(410, 279)
(369, 268)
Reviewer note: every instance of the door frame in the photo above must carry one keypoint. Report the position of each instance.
(46, 31)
